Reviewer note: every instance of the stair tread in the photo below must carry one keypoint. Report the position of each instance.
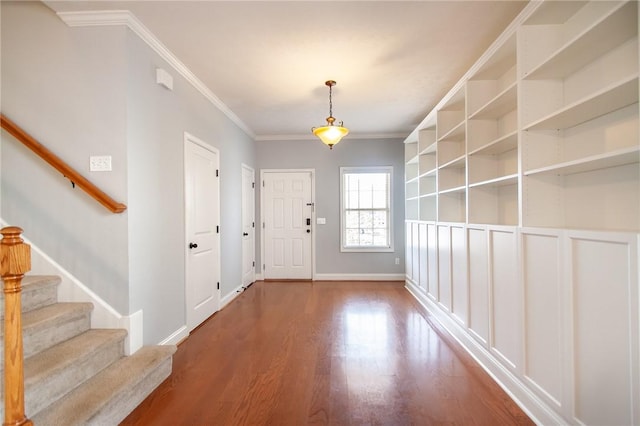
(33, 281)
(84, 402)
(67, 353)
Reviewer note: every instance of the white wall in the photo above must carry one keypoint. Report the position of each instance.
(313, 154)
(92, 91)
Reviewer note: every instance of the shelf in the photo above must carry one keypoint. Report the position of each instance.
(457, 189)
(426, 140)
(497, 182)
(501, 61)
(612, 30)
(428, 173)
(503, 103)
(413, 179)
(429, 149)
(412, 160)
(595, 162)
(498, 146)
(611, 98)
(410, 152)
(456, 163)
(456, 134)
(430, 195)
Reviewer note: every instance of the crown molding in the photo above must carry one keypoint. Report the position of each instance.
(312, 137)
(125, 17)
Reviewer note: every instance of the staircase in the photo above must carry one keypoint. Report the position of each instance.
(75, 375)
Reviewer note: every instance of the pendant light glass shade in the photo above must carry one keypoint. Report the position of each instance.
(330, 134)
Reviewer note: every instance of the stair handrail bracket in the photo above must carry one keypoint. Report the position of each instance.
(15, 261)
(67, 171)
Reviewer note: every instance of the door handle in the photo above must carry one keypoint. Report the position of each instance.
(244, 234)
(193, 245)
(308, 231)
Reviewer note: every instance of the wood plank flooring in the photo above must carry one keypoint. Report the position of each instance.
(325, 353)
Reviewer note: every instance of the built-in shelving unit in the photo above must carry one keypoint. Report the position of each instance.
(580, 119)
(523, 206)
(540, 115)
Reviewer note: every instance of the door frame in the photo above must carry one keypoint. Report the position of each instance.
(189, 138)
(244, 167)
(313, 215)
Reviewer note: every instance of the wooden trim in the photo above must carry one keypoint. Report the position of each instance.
(66, 170)
(15, 260)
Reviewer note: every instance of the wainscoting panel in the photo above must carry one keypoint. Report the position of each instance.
(423, 280)
(432, 260)
(604, 283)
(415, 264)
(506, 305)
(460, 301)
(408, 257)
(444, 266)
(478, 284)
(552, 314)
(543, 299)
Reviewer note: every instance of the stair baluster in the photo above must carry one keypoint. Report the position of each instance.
(15, 260)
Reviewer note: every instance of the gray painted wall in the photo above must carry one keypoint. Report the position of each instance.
(313, 154)
(92, 91)
(69, 92)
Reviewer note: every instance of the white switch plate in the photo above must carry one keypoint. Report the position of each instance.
(321, 221)
(100, 163)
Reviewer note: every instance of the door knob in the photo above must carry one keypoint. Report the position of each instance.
(193, 245)
(244, 234)
(308, 231)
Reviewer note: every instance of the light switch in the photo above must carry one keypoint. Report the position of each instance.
(100, 163)
(321, 221)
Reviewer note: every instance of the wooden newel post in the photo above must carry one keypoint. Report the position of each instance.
(15, 260)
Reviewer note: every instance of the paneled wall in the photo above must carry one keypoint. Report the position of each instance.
(553, 314)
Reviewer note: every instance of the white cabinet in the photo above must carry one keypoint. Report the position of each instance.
(523, 184)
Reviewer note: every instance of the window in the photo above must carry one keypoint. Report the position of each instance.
(365, 208)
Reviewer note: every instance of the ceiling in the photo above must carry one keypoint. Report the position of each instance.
(267, 61)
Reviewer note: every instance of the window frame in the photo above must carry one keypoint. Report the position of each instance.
(363, 170)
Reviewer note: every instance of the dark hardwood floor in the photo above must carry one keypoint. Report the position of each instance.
(325, 353)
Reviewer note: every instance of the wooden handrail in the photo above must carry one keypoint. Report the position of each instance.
(15, 260)
(66, 170)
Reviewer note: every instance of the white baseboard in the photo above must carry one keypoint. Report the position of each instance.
(176, 337)
(232, 295)
(359, 277)
(72, 290)
(259, 277)
(540, 412)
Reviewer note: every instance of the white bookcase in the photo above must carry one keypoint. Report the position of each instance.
(523, 203)
(543, 131)
(579, 114)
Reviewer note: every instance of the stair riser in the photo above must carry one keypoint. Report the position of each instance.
(42, 394)
(121, 406)
(38, 340)
(36, 293)
(34, 299)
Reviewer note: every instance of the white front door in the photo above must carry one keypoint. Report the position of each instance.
(287, 220)
(248, 226)
(202, 219)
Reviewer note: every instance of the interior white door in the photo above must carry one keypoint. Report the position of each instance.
(248, 226)
(202, 216)
(287, 220)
